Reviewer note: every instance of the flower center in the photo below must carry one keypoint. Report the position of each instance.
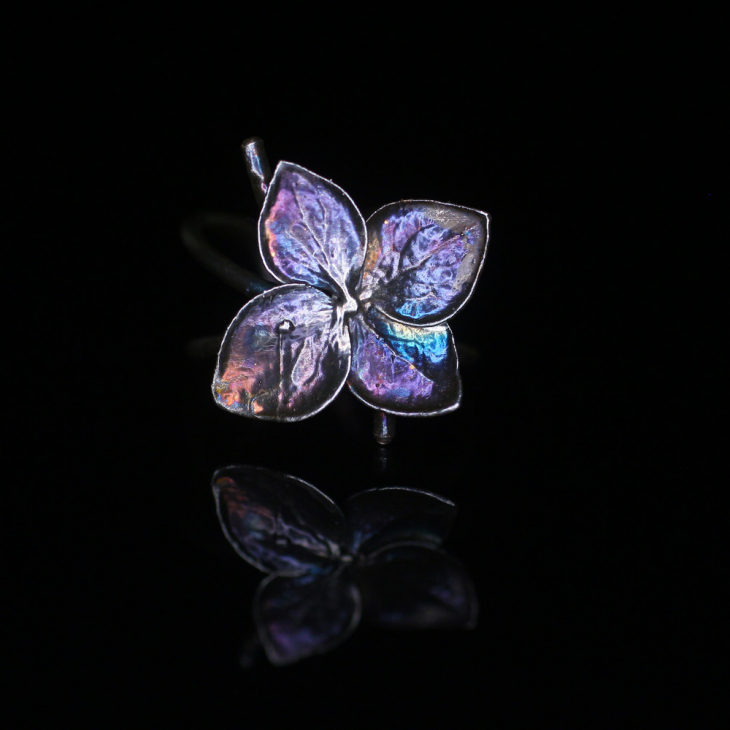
(345, 302)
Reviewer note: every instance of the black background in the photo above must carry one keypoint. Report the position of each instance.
(591, 510)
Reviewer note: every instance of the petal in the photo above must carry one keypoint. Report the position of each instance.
(299, 617)
(423, 259)
(411, 371)
(415, 587)
(276, 522)
(310, 231)
(284, 357)
(380, 517)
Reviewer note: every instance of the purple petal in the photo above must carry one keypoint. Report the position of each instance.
(276, 522)
(415, 587)
(411, 371)
(380, 517)
(423, 259)
(310, 231)
(284, 357)
(299, 617)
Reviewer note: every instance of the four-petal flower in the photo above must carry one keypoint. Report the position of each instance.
(379, 558)
(362, 303)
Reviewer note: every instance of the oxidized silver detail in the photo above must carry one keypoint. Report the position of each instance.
(368, 299)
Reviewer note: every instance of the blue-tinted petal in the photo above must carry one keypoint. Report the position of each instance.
(299, 617)
(285, 356)
(423, 259)
(380, 517)
(310, 231)
(402, 369)
(415, 587)
(276, 522)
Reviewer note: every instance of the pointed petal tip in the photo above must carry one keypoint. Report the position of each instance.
(423, 259)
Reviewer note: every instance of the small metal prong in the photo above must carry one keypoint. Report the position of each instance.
(384, 427)
(257, 166)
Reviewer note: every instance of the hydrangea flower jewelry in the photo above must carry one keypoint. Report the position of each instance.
(362, 303)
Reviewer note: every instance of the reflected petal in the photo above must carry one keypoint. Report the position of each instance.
(284, 357)
(310, 231)
(415, 587)
(299, 617)
(380, 517)
(401, 369)
(276, 522)
(423, 259)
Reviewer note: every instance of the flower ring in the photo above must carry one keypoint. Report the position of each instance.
(362, 303)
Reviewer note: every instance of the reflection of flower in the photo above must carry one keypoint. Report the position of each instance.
(380, 559)
(361, 302)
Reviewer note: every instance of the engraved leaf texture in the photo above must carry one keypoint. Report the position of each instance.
(277, 522)
(311, 232)
(423, 259)
(284, 357)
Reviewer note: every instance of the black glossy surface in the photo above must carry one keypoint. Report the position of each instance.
(584, 459)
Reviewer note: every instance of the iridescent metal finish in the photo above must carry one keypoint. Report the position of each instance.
(423, 259)
(276, 522)
(391, 283)
(257, 166)
(284, 357)
(299, 617)
(383, 427)
(311, 232)
(404, 370)
(383, 561)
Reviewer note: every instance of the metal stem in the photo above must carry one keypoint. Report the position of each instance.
(384, 427)
(257, 166)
